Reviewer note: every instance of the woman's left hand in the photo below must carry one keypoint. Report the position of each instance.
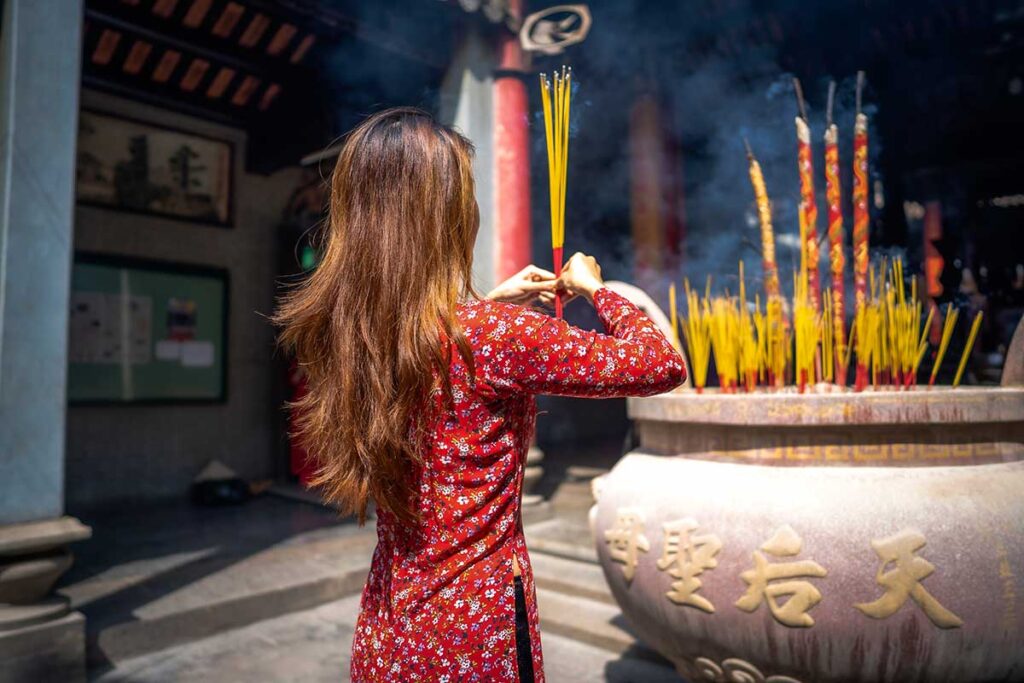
(529, 284)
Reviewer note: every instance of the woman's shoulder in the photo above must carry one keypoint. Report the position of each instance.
(495, 319)
(483, 310)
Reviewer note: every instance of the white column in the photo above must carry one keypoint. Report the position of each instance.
(40, 47)
(467, 103)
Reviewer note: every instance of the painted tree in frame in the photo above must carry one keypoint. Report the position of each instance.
(134, 166)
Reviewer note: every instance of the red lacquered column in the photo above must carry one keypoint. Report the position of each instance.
(511, 157)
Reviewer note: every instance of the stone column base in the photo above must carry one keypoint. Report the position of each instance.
(48, 652)
(40, 640)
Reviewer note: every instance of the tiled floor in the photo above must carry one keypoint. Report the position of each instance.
(268, 591)
(313, 646)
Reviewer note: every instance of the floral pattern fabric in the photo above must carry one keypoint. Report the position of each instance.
(438, 604)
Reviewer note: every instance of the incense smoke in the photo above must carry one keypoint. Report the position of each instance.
(709, 106)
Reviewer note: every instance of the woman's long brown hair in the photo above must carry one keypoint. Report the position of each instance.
(374, 324)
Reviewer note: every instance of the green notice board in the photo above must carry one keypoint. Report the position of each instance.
(146, 331)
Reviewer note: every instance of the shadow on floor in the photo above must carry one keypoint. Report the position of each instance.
(140, 555)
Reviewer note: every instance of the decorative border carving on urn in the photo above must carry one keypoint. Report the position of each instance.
(732, 670)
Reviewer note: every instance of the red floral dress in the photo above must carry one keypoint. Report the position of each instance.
(438, 604)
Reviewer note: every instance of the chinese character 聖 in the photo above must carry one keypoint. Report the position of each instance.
(802, 594)
(686, 556)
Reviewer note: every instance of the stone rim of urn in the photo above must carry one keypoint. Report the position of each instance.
(780, 537)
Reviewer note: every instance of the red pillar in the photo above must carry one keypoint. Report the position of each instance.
(646, 190)
(511, 157)
(674, 198)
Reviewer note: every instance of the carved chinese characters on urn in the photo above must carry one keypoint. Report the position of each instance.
(778, 577)
(769, 581)
(836, 538)
(904, 580)
(626, 540)
(686, 555)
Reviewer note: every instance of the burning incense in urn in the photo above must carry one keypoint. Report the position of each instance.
(836, 259)
(556, 98)
(805, 332)
(748, 340)
(697, 332)
(724, 338)
(751, 348)
(860, 212)
(805, 341)
(776, 344)
(808, 205)
(764, 215)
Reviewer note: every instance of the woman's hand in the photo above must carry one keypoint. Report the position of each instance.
(581, 276)
(529, 284)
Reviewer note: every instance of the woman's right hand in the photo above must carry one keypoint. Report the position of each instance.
(581, 276)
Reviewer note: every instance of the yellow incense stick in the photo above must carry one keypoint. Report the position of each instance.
(927, 326)
(922, 344)
(975, 326)
(566, 101)
(673, 315)
(947, 332)
(696, 332)
(849, 347)
(827, 336)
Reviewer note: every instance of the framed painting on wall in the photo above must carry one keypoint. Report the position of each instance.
(134, 166)
(146, 331)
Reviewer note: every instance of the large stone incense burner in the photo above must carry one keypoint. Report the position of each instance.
(835, 537)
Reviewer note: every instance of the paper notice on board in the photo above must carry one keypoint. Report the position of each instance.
(140, 316)
(110, 328)
(168, 349)
(197, 354)
(87, 320)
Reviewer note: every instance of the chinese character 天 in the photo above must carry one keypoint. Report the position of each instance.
(904, 580)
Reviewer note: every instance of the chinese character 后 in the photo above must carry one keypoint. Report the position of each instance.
(686, 556)
(904, 580)
(802, 594)
(626, 539)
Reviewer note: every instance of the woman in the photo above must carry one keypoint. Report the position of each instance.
(421, 399)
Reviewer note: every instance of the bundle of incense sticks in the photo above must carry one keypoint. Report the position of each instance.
(777, 343)
(697, 333)
(810, 345)
(806, 332)
(755, 347)
(724, 335)
(556, 96)
(749, 345)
